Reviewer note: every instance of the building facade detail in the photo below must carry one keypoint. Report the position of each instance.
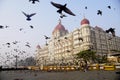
(63, 45)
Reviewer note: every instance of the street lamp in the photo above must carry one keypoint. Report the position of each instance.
(16, 61)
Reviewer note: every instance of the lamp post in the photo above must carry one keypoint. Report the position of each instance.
(16, 61)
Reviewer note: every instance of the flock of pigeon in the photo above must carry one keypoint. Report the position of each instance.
(60, 10)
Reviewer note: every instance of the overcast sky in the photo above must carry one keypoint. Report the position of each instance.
(46, 19)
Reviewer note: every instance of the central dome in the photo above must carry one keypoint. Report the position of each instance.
(85, 21)
(59, 27)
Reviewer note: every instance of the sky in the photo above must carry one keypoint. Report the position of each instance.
(45, 21)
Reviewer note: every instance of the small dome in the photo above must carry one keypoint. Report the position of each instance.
(38, 47)
(85, 21)
(59, 27)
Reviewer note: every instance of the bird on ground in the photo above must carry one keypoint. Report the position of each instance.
(62, 8)
(28, 16)
(99, 12)
(33, 1)
(112, 30)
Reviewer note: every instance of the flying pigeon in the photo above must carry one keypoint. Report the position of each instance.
(62, 15)
(109, 7)
(46, 37)
(31, 26)
(33, 1)
(112, 30)
(99, 12)
(85, 7)
(1, 27)
(21, 29)
(62, 8)
(28, 16)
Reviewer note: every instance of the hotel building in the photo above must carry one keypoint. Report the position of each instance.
(63, 45)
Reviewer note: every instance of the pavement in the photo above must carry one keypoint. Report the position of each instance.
(71, 75)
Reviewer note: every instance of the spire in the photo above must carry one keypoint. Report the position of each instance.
(84, 15)
(59, 21)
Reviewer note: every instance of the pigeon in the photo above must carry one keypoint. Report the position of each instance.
(28, 16)
(62, 15)
(31, 26)
(99, 12)
(112, 30)
(28, 45)
(46, 37)
(21, 29)
(33, 1)
(1, 27)
(8, 43)
(85, 7)
(62, 8)
(6, 26)
(109, 7)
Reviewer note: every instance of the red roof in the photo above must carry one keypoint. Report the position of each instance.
(59, 27)
(38, 46)
(85, 21)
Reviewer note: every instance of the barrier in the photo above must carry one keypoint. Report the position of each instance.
(76, 68)
(109, 67)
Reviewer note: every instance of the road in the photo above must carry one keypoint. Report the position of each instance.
(72, 75)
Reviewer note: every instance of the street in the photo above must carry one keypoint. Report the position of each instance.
(72, 75)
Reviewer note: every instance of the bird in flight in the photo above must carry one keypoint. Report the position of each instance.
(62, 8)
(46, 37)
(28, 16)
(62, 15)
(99, 12)
(85, 7)
(1, 27)
(112, 30)
(31, 27)
(33, 1)
(109, 7)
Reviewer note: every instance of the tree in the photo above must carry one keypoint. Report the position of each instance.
(101, 59)
(87, 56)
(29, 61)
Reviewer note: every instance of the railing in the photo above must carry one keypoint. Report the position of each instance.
(76, 68)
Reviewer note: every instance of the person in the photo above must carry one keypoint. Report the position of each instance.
(85, 67)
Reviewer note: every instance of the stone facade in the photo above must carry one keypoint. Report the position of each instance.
(63, 45)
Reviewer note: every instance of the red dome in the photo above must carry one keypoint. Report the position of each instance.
(38, 46)
(85, 21)
(59, 27)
